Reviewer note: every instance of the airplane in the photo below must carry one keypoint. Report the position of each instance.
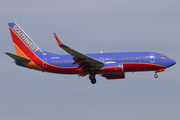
(108, 65)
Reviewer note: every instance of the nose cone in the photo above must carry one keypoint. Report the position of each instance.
(172, 62)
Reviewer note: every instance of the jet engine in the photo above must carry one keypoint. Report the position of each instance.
(113, 68)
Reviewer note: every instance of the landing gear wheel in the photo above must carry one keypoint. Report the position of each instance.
(92, 78)
(93, 81)
(156, 75)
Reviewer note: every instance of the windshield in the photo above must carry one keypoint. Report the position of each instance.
(163, 56)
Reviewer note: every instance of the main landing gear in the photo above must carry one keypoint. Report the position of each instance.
(92, 77)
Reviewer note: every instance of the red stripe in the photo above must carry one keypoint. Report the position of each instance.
(24, 48)
(130, 67)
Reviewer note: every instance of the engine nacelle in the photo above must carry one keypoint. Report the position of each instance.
(113, 68)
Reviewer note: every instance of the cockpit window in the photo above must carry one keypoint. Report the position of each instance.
(162, 56)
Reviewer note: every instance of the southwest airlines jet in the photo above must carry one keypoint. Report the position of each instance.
(108, 65)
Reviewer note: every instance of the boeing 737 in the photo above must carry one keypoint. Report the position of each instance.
(108, 65)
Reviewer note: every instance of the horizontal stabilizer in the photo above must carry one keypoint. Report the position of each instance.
(17, 58)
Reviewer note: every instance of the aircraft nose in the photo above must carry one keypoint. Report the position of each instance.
(172, 62)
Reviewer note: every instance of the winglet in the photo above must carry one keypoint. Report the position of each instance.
(59, 42)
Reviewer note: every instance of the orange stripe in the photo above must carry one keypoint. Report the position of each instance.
(19, 52)
(28, 64)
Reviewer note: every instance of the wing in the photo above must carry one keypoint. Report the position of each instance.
(84, 61)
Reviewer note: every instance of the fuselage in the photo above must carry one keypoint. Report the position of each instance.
(132, 61)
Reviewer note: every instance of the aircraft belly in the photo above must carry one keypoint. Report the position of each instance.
(133, 67)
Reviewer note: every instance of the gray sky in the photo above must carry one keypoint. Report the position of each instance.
(90, 27)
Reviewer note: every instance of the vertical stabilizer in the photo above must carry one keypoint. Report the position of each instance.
(24, 46)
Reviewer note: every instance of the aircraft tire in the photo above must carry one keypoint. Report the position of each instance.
(156, 76)
(92, 78)
(93, 81)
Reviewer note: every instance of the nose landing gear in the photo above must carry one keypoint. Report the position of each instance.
(156, 75)
(92, 77)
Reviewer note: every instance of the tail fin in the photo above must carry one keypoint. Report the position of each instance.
(24, 46)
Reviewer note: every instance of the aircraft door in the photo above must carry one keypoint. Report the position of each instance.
(152, 58)
(44, 64)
